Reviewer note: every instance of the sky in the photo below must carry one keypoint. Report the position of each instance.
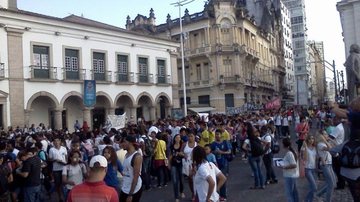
(323, 20)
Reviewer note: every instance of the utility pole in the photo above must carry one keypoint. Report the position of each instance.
(338, 82)
(335, 82)
(343, 86)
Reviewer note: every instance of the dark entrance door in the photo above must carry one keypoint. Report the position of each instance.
(98, 117)
(119, 111)
(64, 121)
(1, 117)
(139, 112)
(162, 109)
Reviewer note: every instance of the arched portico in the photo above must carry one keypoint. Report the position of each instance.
(163, 105)
(125, 103)
(73, 106)
(104, 106)
(146, 106)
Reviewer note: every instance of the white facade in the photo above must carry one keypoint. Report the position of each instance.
(350, 21)
(299, 40)
(140, 85)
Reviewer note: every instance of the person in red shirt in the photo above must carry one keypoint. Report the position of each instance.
(94, 188)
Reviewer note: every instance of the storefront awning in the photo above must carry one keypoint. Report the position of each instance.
(201, 109)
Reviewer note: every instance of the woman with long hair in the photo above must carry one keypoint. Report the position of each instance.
(323, 147)
(176, 167)
(290, 171)
(302, 129)
(113, 167)
(308, 156)
(208, 178)
(187, 149)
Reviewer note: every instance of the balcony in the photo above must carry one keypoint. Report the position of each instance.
(43, 72)
(196, 51)
(250, 53)
(163, 79)
(125, 77)
(145, 78)
(101, 76)
(2, 70)
(198, 84)
(228, 79)
(71, 75)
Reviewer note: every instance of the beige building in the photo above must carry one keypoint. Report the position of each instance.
(229, 59)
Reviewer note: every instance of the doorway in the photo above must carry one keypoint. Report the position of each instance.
(98, 117)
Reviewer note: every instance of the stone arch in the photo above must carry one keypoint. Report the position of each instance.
(147, 95)
(127, 94)
(69, 94)
(162, 94)
(102, 93)
(39, 94)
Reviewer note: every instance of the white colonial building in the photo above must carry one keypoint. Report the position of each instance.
(45, 60)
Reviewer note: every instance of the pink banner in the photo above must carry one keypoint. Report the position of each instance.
(274, 104)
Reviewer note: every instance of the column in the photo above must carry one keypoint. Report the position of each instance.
(152, 113)
(110, 111)
(27, 117)
(58, 118)
(133, 117)
(168, 110)
(87, 116)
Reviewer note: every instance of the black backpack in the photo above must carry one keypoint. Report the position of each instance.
(350, 154)
(149, 149)
(257, 149)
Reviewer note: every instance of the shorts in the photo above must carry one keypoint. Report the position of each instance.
(57, 178)
(289, 118)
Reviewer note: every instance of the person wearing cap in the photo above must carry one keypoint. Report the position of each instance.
(94, 188)
(131, 186)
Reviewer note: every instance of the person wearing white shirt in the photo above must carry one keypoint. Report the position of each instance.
(208, 178)
(290, 171)
(278, 120)
(285, 126)
(268, 158)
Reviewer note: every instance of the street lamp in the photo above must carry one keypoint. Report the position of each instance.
(179, 4)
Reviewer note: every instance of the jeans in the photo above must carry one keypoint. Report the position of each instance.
(291, 190)
(161, 175)
(223, 188)
(330, 182)
(310, 176)
(278, 132)
(145, 172)
(32, 194)
(255, 164)
(354, 186)
(270, 174)
(177, 180)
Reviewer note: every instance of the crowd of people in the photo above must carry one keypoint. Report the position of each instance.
(39, 164)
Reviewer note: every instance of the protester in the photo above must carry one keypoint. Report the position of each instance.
(290, 171)
(131, 187)
(187, 149)
(114, 166)
(208, 179)
(94, 188)
(308, 156)
(176, 157)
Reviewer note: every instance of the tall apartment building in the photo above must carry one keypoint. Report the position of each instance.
(229, 59)
(318, 48)
(45, 60)
(300, 54)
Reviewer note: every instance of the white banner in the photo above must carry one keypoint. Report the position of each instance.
(115, 121)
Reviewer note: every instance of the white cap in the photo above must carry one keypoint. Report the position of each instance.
(98, 159)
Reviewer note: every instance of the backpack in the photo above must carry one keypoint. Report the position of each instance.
(350, 154)
(275, 147)
(149, 149)
(3, 181)
(257, 149)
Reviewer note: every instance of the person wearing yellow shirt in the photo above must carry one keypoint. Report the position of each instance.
(160, 159)
(204, 139)
(225, 135)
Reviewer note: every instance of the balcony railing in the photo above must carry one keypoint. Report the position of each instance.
(74, 75)
(2, 70)
(163, 79)
(145, 78)
(198, 84)
(104, 76)
(229, 79)
(43, 72)
(125, 77)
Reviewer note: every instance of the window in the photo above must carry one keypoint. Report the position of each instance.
(204, 99)
(161, 71)
(41, 57)
(225, 25)
(122, 64)
(161, 68)
(229, 100)
(297, 20)
(188, 101)
(198, 72)
(143, 66)
(206, 71)
(245, 97)
(71, 60)
(228, 67)
(99, 62)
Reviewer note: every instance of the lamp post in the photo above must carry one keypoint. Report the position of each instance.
(179, 4)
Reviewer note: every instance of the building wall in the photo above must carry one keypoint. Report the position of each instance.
(42, 100)
(350, 20)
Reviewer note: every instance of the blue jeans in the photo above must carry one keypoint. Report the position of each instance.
(177, 180)
(330, 182)
(310, 176)
(255, 164)
(32, 194)
(291, 190)
(223, 188)
(270, 174)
